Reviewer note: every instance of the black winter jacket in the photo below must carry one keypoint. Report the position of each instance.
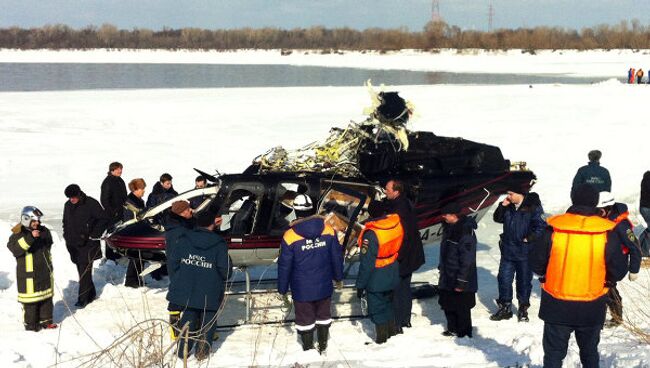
(573, 313)
(112, 196)
(458, 256)
(159, 195)
(411, 254)
(595, 175)
(645, 190)
(33, 262)
(83, 222)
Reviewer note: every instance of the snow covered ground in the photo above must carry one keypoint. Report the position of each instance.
(51, 139)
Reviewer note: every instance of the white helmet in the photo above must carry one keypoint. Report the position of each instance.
(302, 202)
(29, 214)
(605, 199)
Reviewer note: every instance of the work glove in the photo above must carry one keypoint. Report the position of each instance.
(338, 284)
(361, 293)
(633, 276)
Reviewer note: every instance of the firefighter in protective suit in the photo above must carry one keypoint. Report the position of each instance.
(30, 243)
(379, 243)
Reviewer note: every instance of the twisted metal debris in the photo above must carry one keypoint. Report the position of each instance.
(339, 152)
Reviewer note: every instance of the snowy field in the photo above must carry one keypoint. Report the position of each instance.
(51, 139)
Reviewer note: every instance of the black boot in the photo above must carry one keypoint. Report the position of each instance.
(322, 332)
(392, 328)
(307, 338)
(522, 313)
(382, 333)
(504, 311)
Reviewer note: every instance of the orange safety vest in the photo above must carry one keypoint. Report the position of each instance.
(390, 235)
(576, 268)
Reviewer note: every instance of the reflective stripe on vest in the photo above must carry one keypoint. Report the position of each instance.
(390, 235)
(576, 267)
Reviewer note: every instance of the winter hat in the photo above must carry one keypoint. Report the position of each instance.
(72, 191)
(179, 207)
(517, 188)
(205, 218)
(376, 209)
(585, 195)
(451, 208)
(605, 199)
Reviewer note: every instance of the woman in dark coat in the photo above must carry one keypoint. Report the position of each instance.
(458, 278)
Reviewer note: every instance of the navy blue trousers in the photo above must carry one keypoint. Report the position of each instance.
(524, 277)
(202, 326)
(556, 342)
(403, 301)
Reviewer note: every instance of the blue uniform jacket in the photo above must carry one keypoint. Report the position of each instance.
(310, 258)
(519, 224)
(595, 175)
(199, 268)
(458, 256)
(371, 278)
(622, 234)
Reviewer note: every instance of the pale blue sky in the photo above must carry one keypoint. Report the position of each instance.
(358, 14)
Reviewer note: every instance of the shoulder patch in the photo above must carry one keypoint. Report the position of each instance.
(328, 230)
(291, 237)
(631, 236)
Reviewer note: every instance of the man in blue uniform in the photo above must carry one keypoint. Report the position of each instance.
(521, 216)
(593, 174)
(380, 242)
(199, 267)
(310, 258)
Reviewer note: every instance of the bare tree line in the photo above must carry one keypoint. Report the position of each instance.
(435, 35)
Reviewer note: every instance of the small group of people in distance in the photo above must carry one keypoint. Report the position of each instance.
(578, 257)
(635, 76)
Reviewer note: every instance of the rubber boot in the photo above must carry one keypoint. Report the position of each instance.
(522, 312)
(174, 318)
(307, 338)
(382, 333)
(322, 332)
(504, 312)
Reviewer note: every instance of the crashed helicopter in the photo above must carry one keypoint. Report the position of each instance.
(341, 174)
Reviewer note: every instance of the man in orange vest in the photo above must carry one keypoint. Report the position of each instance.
(576, 264)
(380, 242)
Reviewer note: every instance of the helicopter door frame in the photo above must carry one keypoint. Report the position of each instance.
(355, 213)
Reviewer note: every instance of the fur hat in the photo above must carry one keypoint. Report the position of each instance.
(585, 195)
(72, 191)
(451, 208)
(376, 209)
(517, 188)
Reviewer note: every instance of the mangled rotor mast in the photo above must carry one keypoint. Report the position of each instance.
(340, 152)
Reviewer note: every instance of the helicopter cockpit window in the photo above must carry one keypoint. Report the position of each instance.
(338, 208)
(283, 213)
(239, 215)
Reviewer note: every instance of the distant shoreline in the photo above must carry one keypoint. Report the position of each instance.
(600, 63)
